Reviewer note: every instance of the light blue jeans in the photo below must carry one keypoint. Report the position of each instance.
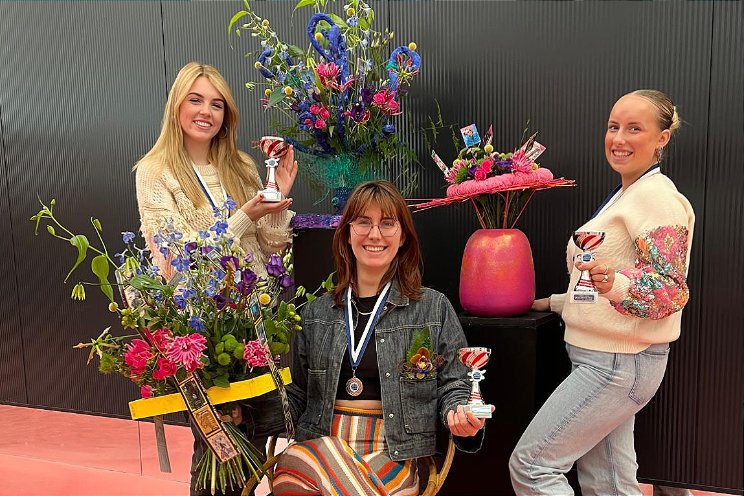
(589, 420)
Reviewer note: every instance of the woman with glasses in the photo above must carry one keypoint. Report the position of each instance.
(375, 367)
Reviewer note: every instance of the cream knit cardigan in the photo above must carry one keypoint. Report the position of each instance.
(160, 198)
(648, 238)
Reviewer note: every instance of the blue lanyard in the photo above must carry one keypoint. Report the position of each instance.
(204, 188)
(609, 199)
(357, 352)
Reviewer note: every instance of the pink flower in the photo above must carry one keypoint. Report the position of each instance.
(385, 101)
(146, 391)
(487, 165)
(308, 122)
(328, 73)
(186, 351)
(315, 108)
(160, 338)
(137, 355)
(324, 114)
(520, 163)
(255, 354)
(165, 368)
(320, 124)
(480, 174)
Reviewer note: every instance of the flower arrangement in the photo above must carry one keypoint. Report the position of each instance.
(499, 185)
(421, 362)
(342, 95)
(216, 319)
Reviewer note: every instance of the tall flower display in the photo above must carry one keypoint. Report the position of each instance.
(216, 323)
(341, 96)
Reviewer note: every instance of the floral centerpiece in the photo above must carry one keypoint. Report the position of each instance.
(342, 94)
(215, 323)
(497, 276)
(499, 184)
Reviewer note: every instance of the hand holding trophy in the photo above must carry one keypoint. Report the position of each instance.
(474, 358)
(273, 147)
(585, 291)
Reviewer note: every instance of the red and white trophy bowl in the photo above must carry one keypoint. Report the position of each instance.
(585, 291)
(474, 358)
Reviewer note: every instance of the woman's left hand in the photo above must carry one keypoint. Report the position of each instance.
(601, 272)
(286, 172)
(236, 415)
(463, 423)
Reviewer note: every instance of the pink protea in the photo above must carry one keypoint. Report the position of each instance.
(328, 73)
(137, 355)
(146, 391)
(164, 368)
(520, 162)
(186, 351)
(255, 354)
(385, 101)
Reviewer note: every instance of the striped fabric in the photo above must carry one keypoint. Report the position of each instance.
(352, 461)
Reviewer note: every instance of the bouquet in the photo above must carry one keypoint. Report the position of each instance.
(342, 94)
(499, 184)
(214, 323)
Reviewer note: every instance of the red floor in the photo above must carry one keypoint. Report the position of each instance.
(48, 453)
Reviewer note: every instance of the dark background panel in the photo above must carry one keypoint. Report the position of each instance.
(76, 117)
(721, 338)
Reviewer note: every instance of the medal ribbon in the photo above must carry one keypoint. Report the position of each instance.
(617, 192)
(204, 188)
(356, 351)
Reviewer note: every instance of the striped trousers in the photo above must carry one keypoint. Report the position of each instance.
(352, 461)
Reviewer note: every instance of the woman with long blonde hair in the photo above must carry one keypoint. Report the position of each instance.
(193, 168)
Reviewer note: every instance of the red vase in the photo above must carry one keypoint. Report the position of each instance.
(497, 278)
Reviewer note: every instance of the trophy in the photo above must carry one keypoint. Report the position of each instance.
(273, 147)
(585, 291)
(474, 359)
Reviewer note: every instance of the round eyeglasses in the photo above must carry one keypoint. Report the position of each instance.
(387, 227)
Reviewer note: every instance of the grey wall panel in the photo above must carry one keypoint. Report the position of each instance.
(78, 111)
(12, 370)
(720, 409)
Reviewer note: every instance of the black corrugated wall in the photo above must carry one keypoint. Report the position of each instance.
(81, 96)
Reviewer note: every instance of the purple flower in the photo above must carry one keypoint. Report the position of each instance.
(229, 204)
(206, 250)
(229, 259)
(196, 324)
(247, 282)
(181, 264)
(286, 281)
(203, 234)
(388, 129)
(367, 95)
(220, 301)
(121, 257)
(275, 267)
(127, 237)
(219, 227)
(190, 247)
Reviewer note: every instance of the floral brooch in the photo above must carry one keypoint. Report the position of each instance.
(421, 362)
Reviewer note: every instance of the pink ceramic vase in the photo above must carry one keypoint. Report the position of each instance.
(497, 278)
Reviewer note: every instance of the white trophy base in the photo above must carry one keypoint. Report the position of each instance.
(584, 297)
(271, 195)
(480, 411)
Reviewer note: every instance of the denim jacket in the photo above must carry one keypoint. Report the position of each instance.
(410, 407)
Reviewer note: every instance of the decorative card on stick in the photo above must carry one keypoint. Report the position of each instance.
(440, 163)
(532, 149)
(470, 135)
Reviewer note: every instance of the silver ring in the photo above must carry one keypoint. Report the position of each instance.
(605, 278)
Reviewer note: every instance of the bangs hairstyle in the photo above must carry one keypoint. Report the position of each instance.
(233, 166)
(406, 266)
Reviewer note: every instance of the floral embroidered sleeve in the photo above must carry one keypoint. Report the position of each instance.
(657, 283)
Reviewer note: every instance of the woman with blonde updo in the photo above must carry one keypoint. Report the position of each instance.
(618, 346)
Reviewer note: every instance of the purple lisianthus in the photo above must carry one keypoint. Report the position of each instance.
(190, 247)
(220, 301)
(367, 95)
(206, 250)
(286, 281)
(227, 259)
(247, 282)
(275, 267)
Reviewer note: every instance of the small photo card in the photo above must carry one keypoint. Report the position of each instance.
(193, 394)
(206, 420)
(222, 446)
(470, 135)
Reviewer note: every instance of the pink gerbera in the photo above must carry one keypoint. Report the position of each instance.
(255, 354)
(186, 351)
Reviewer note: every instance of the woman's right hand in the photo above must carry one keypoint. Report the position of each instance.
(255, 208)
(541, 305)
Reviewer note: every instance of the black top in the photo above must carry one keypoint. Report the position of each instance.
(367, 372)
